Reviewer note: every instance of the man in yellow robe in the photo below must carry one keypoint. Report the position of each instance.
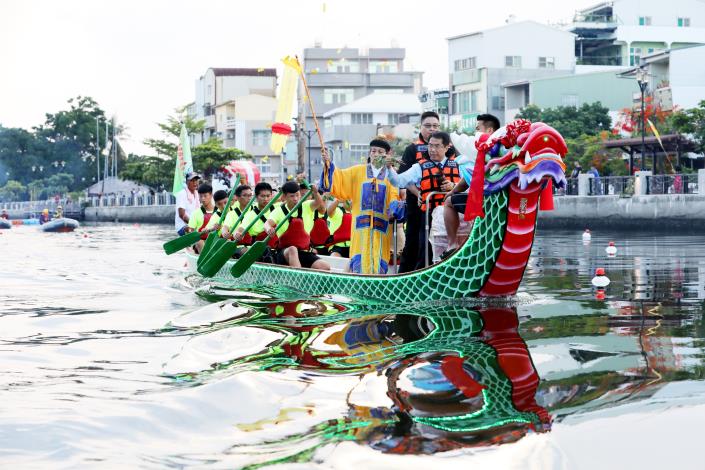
(370, 192)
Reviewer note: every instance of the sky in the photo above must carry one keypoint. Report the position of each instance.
(139, 59)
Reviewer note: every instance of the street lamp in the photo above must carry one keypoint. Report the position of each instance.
(641, 80)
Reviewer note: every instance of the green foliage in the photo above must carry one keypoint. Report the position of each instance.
(156, 172)
(12, 191)
(691, 121)
(211, 156)
(51, 186)
(584, 129)
(171, 130)
(571, 122)
(65, 143)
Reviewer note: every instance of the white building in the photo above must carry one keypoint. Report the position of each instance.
(620, 32)
(348, 129)
(672, 78)
(479, 63)
(238, 106)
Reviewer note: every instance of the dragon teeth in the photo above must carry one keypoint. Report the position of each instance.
(527, 158)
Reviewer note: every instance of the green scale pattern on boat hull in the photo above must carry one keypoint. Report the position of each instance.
(460, 276)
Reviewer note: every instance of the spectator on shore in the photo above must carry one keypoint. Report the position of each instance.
(577, 169)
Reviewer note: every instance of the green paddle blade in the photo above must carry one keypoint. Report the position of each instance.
(182, 242)
(246, 260)
(212, 237)
(218, 259)
(215, 247)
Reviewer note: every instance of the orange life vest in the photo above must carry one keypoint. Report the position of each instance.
(295, 235)
(421, 147)
(432, 175)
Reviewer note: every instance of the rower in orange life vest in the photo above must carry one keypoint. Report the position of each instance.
(436, 174)
(199, 218)
(294, 235)
(263, 194)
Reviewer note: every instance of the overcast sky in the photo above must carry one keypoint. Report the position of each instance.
(139, 59)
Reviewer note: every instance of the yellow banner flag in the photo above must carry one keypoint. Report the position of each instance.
(287, 92)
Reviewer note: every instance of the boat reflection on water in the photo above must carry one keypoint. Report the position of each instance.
(456, 376)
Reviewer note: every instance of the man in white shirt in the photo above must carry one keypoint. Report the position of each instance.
(186, 202)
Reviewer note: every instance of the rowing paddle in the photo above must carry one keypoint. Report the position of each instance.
(213, 236)
(226, 249)
(177, 244)
(258, 249)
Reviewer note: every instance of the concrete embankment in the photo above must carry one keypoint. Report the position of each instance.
(142, 214)
(668, 212)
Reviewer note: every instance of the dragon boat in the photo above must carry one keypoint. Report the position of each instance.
(523, 160)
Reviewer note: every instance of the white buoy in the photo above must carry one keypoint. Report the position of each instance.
(611, 250)
(600, 280)
(586, 235)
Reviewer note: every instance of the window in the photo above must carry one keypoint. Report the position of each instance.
(547, 62)
(497, 98)
(383, 66)
(264, 166)
(338, 95)
(683, 22)
(634, 55)
(327, 123)
(358, 151)
(261, 137)
(569, 100)
(512, 61)
(343, 66)
(465, 64)
(393, 119)
(465, 102)
(644, 21)
(361, 118)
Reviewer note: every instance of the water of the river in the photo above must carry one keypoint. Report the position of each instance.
(112, 357)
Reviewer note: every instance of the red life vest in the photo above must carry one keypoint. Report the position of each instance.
(295, 235)
(320, 233)
(432, 176)
(206, 217)
(272, 243)
(246, 237)
(343, 232)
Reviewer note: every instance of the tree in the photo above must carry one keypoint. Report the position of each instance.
(691, 121)
(13, 191)
(211, 156)
(171, 129)
(571, 122)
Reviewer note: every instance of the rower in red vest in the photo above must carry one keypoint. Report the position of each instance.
(340, 219)
(199, 218)
(263, 194)
(294, 234)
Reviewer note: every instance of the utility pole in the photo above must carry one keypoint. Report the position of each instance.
(301, 119)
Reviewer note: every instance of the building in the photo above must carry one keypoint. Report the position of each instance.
(479, 63)
(673, 78)
(607, 87)
(348, 129)
(337, 77)
(238, 107)
(620, 32)
(437, 101)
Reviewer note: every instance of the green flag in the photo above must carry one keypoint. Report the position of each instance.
(184, 164)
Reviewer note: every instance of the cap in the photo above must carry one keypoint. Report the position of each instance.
(191, 175)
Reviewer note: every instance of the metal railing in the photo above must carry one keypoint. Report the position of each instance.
(611, 186)
(571, 188)
(124, 200)
(672, 184)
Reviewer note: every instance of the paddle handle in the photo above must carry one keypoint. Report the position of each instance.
(264, 209)
(244, 211)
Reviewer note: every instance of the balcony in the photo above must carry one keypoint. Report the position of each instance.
(399, 80)
(599, 60)
(230, 123)
(326, 79)
(467, 76)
